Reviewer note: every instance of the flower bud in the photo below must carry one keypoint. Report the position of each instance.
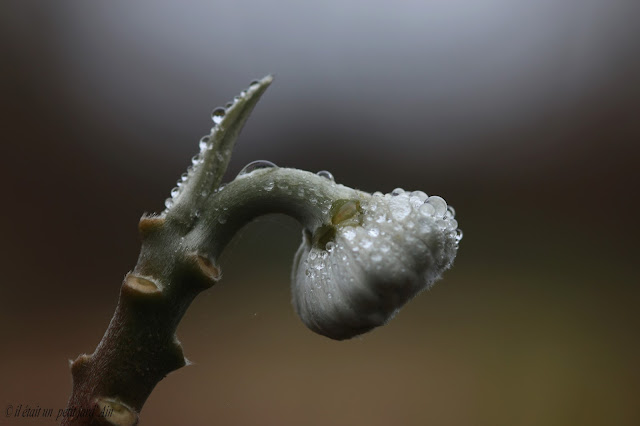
(373, 255)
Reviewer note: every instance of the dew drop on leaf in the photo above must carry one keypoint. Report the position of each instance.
(218, 114)
(204, 143)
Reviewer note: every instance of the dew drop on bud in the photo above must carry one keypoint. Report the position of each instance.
(254, 165)
(427, 210)
(397, 192)
(168, 203)
(174, 192)
(217, 115)
(326, 174)
(254, 83)
(421, 195)
(451, 212)
(439, 204)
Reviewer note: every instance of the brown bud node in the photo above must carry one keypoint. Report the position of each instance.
(79, 366)
(140, 286)
(150, 224)
(207, 267)
(114, 412)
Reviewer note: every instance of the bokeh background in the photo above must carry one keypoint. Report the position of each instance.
(523, 115)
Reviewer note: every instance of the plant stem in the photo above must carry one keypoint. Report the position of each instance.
(177, 261)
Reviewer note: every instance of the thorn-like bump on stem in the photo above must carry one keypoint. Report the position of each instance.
(150, 224)
(79, 366)
(181, 360)
(116, 412)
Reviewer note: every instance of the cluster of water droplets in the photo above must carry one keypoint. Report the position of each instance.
(404, 242)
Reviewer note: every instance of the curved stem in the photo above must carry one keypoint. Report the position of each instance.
(302, 195)
(177, 261)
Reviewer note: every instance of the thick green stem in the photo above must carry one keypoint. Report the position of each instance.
(302, 195)
(177, 261)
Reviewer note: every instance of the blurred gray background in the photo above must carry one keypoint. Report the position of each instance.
(523, 115)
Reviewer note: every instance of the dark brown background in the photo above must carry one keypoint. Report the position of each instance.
(523, 115)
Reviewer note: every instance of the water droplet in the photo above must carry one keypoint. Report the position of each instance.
(218, 114)
(184, 177)
(427, 210)
(174, 192)
(329, 296)
(326, 174)
(168, 203)
(204, 143)
(376, 257)
(385, 248)
(255, 165)
(222, 219)
(195, 160)
(313, 255)
(423, 197)
(254, 83)
(374, 232)
(228, 105)
(268, 186)
(451, 212)
(397, 192)
(330, 246)
(366, 243)
(459, 234)
(439, 204)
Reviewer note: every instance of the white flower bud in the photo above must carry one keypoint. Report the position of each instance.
(377, 252)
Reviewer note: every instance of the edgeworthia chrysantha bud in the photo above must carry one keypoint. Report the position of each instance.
(363, 256)
(378, 252)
